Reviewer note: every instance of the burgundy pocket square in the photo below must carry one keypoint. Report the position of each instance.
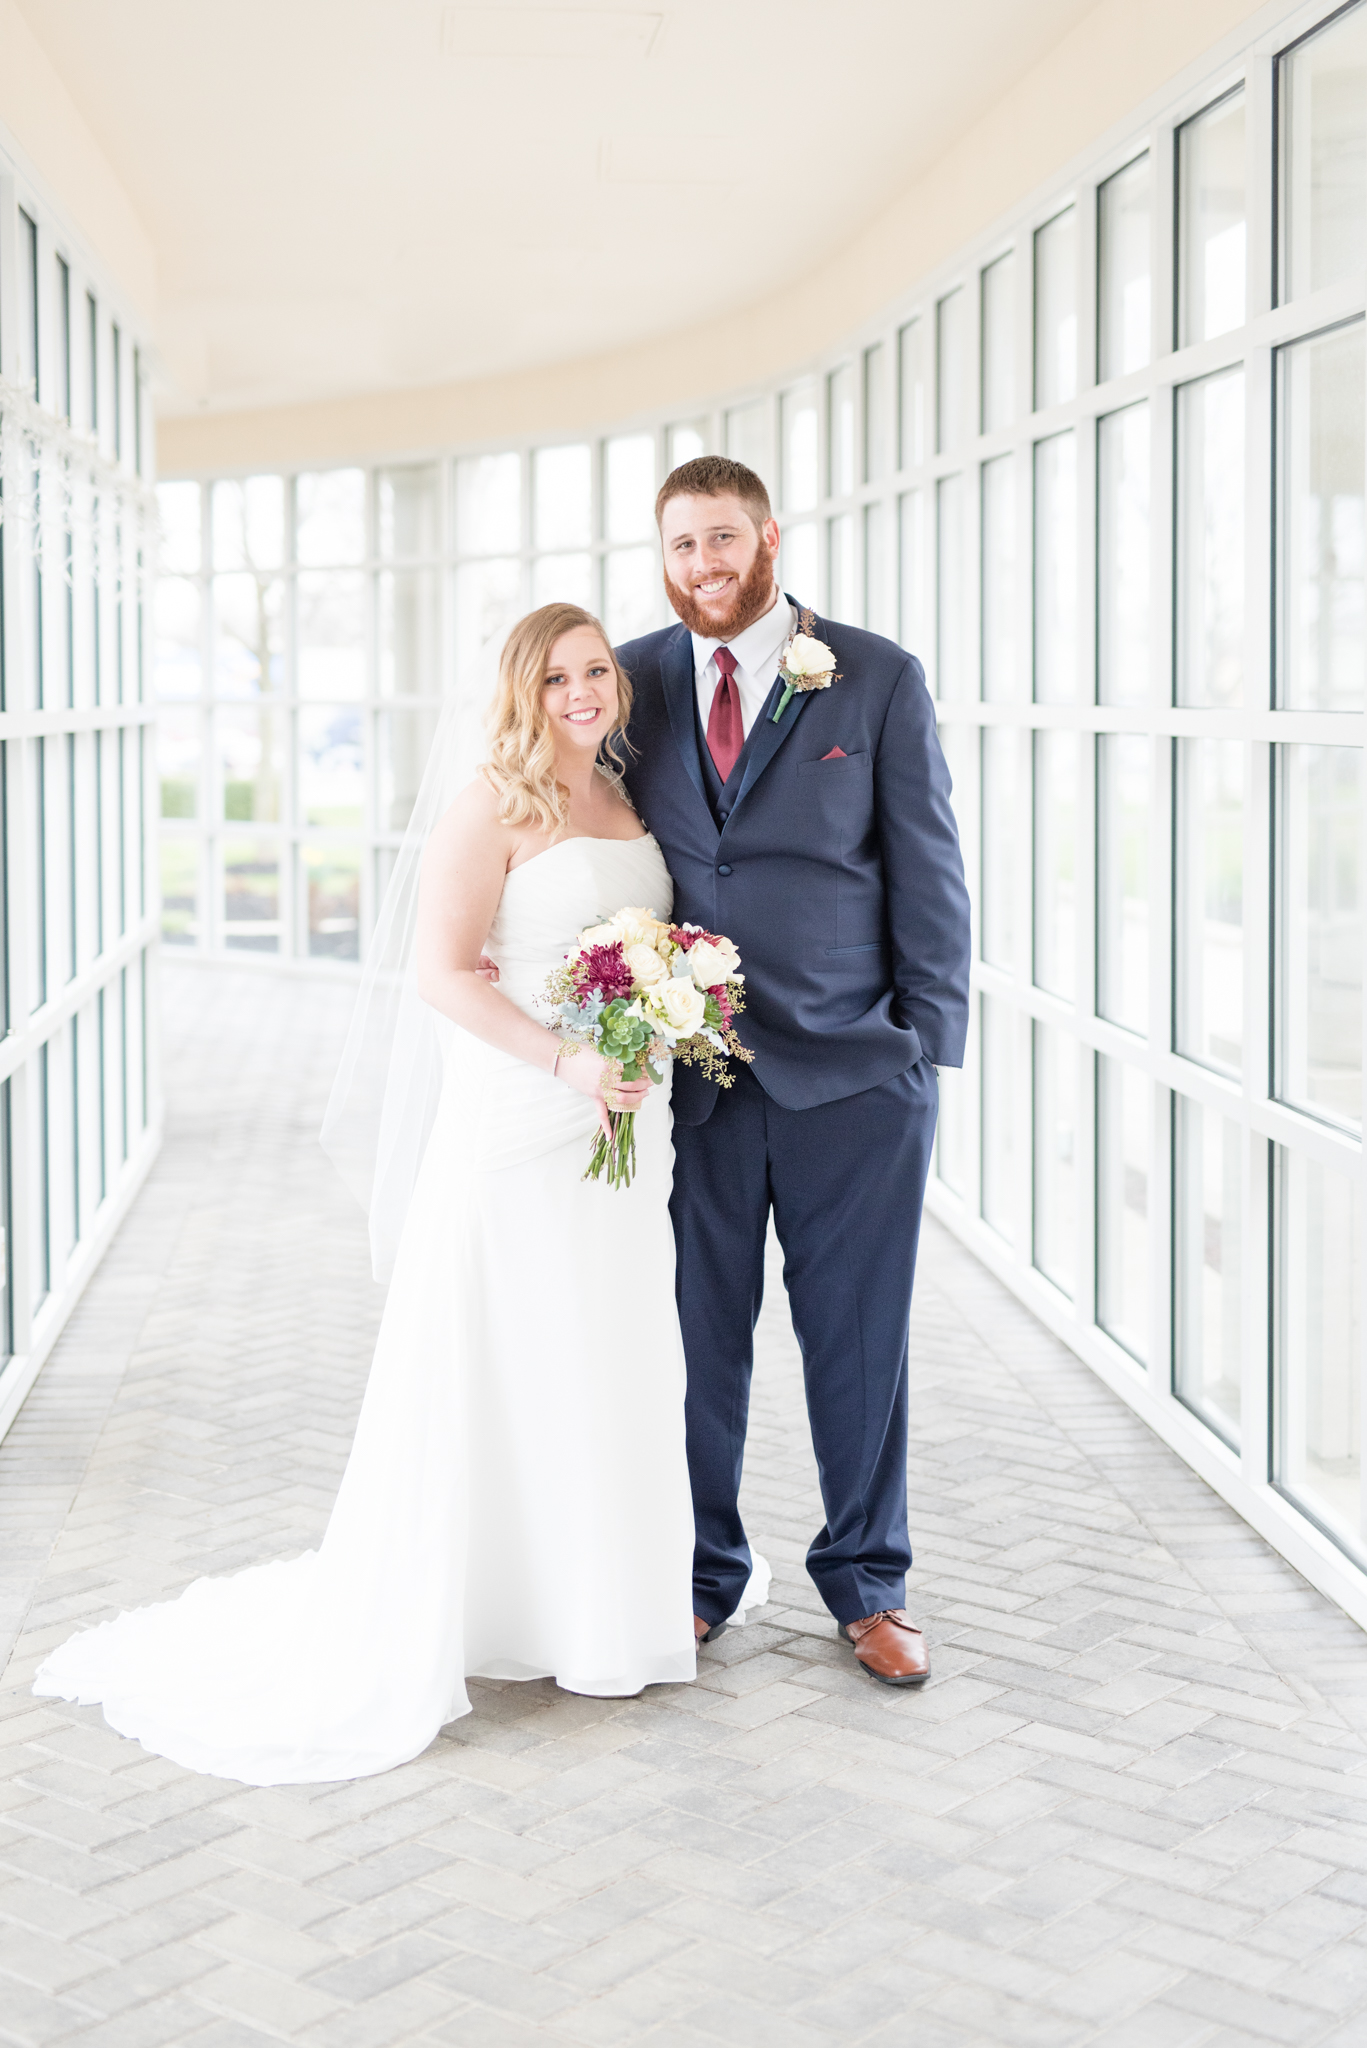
(836, 754)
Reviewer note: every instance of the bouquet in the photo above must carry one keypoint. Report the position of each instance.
(640, 991)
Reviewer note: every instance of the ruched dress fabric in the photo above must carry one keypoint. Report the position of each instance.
(516, 1501)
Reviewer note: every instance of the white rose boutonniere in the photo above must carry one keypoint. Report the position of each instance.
(805, 664)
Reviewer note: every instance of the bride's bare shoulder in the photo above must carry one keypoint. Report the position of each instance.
(470, 827)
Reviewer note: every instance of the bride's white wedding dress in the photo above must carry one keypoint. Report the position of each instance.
(516, 1502)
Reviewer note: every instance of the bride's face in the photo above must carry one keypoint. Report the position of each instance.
(580, 691)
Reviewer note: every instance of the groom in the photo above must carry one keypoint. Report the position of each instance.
(816, 831)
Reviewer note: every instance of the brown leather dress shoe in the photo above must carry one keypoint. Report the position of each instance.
(890, 1648)
(707, 1631)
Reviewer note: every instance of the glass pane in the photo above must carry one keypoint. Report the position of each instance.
(1319, 1376)
(631, 592)
(1000, 1111)
(913, 395)
(1210, 902)
(687, 441)
(1056, 803)
(1122, 806)
(1123, 593)
(877, 415)
(1211, 216)
(629, 481)
(879, 609)
(489, 504)
(1124, 337)
(999, 343)
(251, 755)
(178, 664)
(841, 601)
(747, 437)
(179, 890)
(1056, 645)
(1056, 310)
(1323, 123)
(249, 636)
(249, 522)
(1124, 1134)
(331, 788)
(951, 1130)
(951, 663)
(410, 632)
(951, 410)
(1322, 653)
(562, 494)
(179, 514)
(330, 518)
(1210, 540)
(178, 763)
(251, 895)
(800, 548)
(488, 600)
(1319, 935)
(1001, 670)
(912, 621)
(1056, 1147)
(801, 467)
(1209, 1227)
(840, 427)
(563, 579)
(1004, 845)
(408, 510)
(331, 635)
(404, 742)
(332, 877)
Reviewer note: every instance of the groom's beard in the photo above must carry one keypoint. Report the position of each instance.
(754, 595)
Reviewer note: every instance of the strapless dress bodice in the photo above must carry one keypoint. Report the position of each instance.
(549, 899)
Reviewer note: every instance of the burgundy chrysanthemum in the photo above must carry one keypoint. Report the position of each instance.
(604, 970)
(686, 936)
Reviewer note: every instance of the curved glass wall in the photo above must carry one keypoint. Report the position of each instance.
(77, 838)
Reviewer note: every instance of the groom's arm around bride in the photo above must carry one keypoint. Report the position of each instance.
(799, 793)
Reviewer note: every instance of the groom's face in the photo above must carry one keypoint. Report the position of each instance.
(719, 567)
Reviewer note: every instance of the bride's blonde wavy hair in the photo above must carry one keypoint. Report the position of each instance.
(521, 763)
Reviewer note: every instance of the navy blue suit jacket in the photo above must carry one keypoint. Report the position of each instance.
(840, 880)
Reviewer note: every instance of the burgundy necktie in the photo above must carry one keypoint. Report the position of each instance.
(725, 733)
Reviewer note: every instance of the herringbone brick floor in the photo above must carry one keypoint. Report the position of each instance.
(1130, 1809)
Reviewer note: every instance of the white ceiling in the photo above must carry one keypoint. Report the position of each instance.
(361, 195)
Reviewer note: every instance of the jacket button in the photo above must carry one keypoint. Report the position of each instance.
(723, 869)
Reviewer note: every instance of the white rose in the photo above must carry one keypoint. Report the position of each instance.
(636, 927)
(598, 935)
(712, 963)
(680, 1002)
(808, 657)
(646, 965)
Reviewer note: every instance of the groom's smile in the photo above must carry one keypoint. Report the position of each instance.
(719, 564)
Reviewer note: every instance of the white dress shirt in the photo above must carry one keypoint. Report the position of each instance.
(757, 650)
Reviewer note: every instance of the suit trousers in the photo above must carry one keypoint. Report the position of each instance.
(845, 1182)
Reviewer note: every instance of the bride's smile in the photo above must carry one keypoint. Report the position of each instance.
(580, 691)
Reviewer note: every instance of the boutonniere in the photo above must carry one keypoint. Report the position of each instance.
(805, 664)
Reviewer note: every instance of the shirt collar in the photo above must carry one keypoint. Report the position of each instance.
(758, 644)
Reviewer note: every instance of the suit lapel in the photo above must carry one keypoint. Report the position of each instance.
(767, 738)
(679, 685)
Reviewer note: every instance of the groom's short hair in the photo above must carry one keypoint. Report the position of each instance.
(715, 476)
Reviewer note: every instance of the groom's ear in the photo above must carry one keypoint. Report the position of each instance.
(770, 534)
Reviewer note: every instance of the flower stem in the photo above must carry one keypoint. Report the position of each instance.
(783, 702)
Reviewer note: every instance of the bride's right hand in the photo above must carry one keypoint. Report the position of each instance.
(587, 1071)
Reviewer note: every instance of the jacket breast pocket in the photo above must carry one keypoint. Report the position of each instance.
(843, 768)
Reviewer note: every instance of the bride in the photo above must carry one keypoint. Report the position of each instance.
(516, 1501)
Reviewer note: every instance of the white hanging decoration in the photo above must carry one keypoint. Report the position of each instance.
(56, 482)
